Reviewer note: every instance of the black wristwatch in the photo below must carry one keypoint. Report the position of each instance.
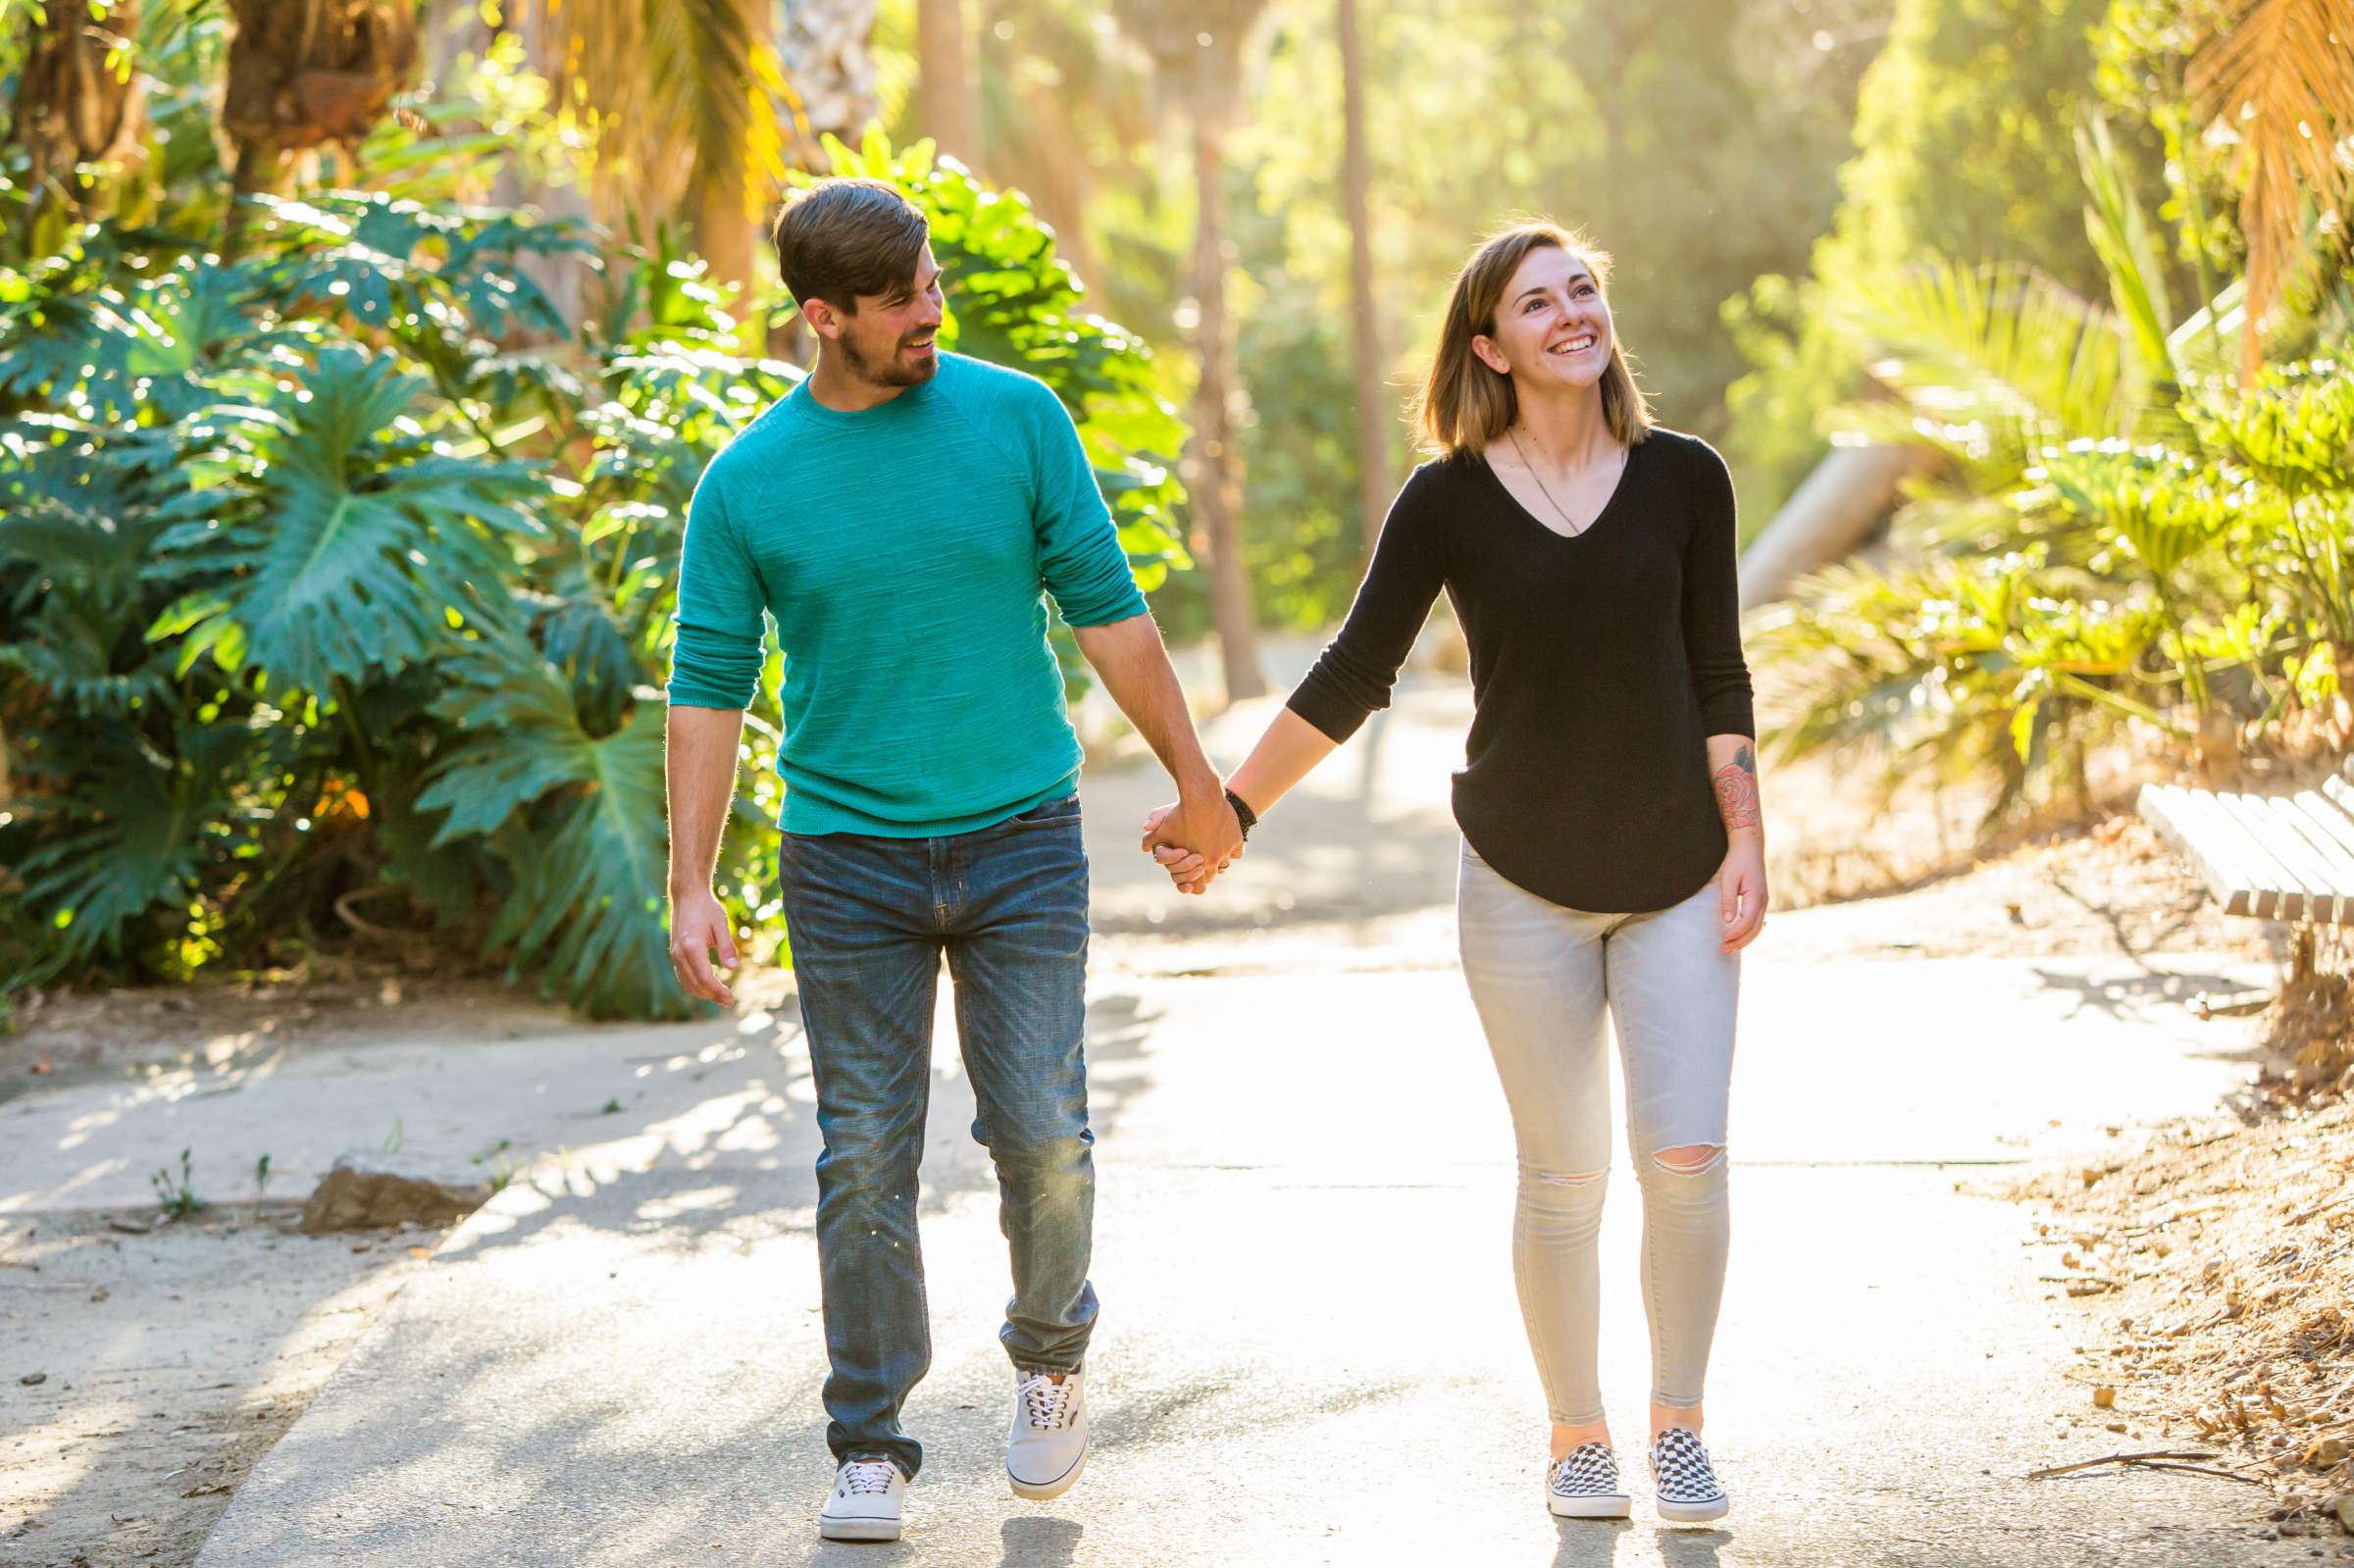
(1242, 813)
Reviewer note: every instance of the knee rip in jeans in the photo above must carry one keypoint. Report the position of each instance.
(1692, 1159)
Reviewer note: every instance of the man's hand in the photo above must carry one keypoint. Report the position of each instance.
(1195, 840)
(1741, 893)
(1189, 870)
(699, 927)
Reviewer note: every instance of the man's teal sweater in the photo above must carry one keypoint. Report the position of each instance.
(905, 552)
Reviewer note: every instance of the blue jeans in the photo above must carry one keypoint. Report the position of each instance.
(869, 919)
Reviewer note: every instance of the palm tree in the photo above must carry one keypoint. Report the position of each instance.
(1357, 179)
(306, 73)
(78, 101)
(1200, 44)
(686, 95)
(2277, 77)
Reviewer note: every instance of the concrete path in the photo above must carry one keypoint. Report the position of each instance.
(1310, 1352)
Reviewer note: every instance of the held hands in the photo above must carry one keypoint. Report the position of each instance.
(1741, 894)
(1194, 840)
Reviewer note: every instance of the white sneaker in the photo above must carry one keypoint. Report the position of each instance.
(1047, 1447)
(1586, 1485)
(868, 1497)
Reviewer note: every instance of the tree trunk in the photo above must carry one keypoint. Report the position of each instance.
(455, 28)
(71, 108)
(303, 73)
(1216, 483)
(451, 29)
(1357, 179)
(946, 108)
(1840, 505)
(725, 230)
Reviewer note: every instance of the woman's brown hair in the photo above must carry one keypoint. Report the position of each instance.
(1466, 404)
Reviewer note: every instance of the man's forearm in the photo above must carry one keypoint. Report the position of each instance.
(1128, 656)
(699, 752)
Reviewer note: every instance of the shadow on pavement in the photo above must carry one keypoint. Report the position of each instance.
(497, 1390)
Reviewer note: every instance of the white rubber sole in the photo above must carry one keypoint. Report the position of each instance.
(1047, 1490)
(1695, 1513)
(858, 1529)
(1614, 1506)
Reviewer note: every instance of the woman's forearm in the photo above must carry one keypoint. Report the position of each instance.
(1733, 770)
(1286, 754)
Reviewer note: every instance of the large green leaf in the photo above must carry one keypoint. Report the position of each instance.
(395, 264)
(126, 835)
(78, 514)
(342, 540)
(579, 821)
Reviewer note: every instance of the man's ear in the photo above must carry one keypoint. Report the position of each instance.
(823, 318)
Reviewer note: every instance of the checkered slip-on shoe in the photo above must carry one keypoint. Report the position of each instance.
(1585, 1485)
(1688, 1493)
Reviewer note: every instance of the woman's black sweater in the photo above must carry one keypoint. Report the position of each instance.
(1601, 663)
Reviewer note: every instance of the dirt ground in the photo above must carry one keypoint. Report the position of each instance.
(149, 1365)
(345, 1000)
(2212, 1269)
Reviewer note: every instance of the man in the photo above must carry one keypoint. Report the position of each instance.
(902, 514)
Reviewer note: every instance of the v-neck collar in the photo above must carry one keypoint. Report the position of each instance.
(1625, 472)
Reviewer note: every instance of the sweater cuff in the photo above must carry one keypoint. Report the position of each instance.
(1731, 715)
(1334, 719)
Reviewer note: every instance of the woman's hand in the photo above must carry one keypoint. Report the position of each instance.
(1189, 872)
(1741, 893)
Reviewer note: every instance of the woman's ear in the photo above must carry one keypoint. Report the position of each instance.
(1490, 355)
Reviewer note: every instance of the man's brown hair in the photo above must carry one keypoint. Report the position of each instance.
(839, 238)
(1464, 404)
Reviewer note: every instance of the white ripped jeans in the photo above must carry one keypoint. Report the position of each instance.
(1551, 984)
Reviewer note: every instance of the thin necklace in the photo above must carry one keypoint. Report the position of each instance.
(1575, 527)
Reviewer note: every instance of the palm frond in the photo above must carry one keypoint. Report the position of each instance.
(678, 87)
(2278, 80)
(1993, 363)
(2121, 236)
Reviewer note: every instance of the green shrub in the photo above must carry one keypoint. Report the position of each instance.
(348, 566)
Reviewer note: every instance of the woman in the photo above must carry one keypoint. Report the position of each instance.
(1613, 857)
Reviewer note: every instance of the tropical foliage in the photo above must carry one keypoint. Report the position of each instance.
(2125, 541)
(335, 580)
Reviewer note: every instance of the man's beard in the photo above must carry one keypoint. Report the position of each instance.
(891, 373)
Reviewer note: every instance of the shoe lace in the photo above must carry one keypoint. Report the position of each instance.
(1048, 1403)
(867, 1477)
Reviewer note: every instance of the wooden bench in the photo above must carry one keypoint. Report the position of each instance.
(2276, 857)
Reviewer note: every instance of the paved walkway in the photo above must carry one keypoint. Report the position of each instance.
(1310, 1351)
